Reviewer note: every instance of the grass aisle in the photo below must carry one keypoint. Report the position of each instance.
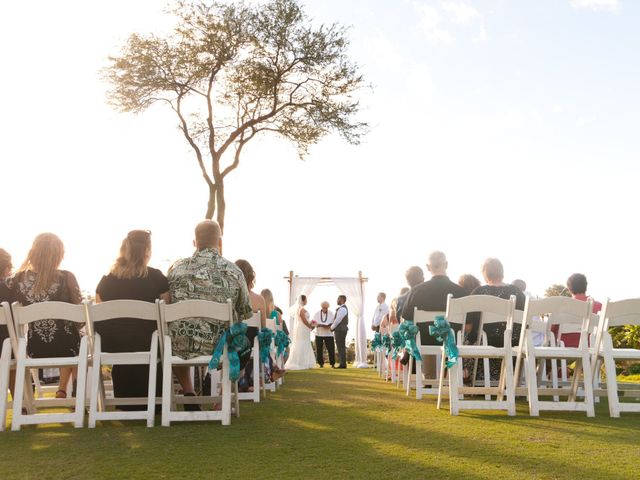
(336, 424)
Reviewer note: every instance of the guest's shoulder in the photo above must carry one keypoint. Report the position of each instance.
(155, 273)
(230, 268)
(481, 290)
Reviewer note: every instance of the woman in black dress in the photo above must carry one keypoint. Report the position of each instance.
(39, 280)
(493, 273)
(131, 279)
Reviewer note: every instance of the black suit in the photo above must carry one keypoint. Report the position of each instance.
(430, 296)
(340, 332)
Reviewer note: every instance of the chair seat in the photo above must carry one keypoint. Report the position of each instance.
(480, 351)
(625, 353)
(557, 352)
(201, 360)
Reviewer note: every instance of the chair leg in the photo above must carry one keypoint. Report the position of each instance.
(96, 381)
(443, 370)
(226, 389)
(81, 384)
(167, 384)
(487, 376)
(151, 392)
(554, 377)
(418, 380)
(509, 384)
(588, 385)
(532, 386)
(408, 376)
(453, 390)
(612, 385)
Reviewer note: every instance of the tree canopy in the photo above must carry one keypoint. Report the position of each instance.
(232, 71)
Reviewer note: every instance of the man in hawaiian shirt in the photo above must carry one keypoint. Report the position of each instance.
(206, 275)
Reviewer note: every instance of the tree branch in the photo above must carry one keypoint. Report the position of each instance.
(185, 130)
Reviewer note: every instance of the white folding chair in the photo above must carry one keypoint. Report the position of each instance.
(492, 309)
(394, 362)
(424, 385)
(221, 313)
(559, 310)
(44, 311)
(271, 386)
(254, 321)
(9, 345)
(616, 314)
(116, 309)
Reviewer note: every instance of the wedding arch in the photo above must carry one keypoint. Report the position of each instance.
(352, 288)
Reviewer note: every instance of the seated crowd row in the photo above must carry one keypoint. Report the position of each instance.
(431, 295)
(206, 275)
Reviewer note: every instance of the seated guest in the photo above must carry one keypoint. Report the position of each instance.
(271, 310)
(431, 296)
(258, 304)
(394, 317)
(40, 280)
(6, 296)
(493, 273)
(414, 276)
(206, 275)
(468, 282)
(577, 286)
(131, 279)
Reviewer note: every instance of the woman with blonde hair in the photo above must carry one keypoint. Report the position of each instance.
(40, 280)
(131, 279)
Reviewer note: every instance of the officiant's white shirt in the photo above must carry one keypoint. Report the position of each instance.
(324, 321)
(381, 310)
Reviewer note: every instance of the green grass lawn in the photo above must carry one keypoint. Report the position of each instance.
(336, 424)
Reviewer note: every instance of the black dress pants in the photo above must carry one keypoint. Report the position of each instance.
(331, 349)
(341, 337)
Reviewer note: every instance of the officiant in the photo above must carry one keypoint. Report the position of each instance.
(324, 336)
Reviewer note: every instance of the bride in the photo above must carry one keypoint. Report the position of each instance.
(301, 356)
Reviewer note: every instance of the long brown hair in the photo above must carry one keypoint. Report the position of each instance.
(248, 272)
(43, 259)
(268, 300)
(5, 262)
(135, 252)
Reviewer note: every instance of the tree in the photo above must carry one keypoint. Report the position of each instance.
(557, 290)
(232, 72)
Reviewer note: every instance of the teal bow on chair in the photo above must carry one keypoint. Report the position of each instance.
(235, 337)
(386, 344)
(444, 333)
(265, 337)
(376, 343)
(408, 331)
(282, 341)
(397, 343)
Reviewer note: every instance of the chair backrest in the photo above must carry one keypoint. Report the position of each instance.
(557, 310)
(622, 312)
(6, 318)
(196, 308)
(574, 325)
(422, 316)
(23, 315)
(99, 312)
(254, 321)
(492, 309)
(272, 325)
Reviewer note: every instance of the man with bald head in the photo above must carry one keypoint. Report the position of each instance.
(324, 336)
(205, 275)
(431, 296)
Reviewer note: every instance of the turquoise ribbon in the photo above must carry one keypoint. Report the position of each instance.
(397, 343)
(376, 343)
(282, 341)
(265, 337)
(236, 340)
(386, 343)
(444, 333)
(408, 331)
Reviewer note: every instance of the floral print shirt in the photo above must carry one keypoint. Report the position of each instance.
(205, 276)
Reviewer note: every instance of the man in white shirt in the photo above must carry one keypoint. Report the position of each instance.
(382, 309)
(324, 336)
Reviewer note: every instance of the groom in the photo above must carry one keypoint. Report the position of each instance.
(324, 336)
(339, 328)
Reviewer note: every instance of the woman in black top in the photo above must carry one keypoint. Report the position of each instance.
(131, 279)
(493, 273)
(39, 280)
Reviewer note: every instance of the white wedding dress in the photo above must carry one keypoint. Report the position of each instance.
(301, 356)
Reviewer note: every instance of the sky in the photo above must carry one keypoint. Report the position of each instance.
(498, 128)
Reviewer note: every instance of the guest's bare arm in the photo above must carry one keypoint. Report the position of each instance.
(166, 296)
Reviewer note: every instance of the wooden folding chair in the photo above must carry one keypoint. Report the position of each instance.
(559, 310)
(44, 311)
(221, 313)
(9, 345)
(117, 309)
(424, 385)
(257, 375)
(616, 314)
(494, 309)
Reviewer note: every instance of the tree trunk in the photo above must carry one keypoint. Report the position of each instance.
(211, 206)
(222, 205)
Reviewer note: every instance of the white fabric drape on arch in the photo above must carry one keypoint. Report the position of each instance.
(299, 286)
(353, 289)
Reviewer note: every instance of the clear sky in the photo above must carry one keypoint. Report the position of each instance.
(499, 128)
